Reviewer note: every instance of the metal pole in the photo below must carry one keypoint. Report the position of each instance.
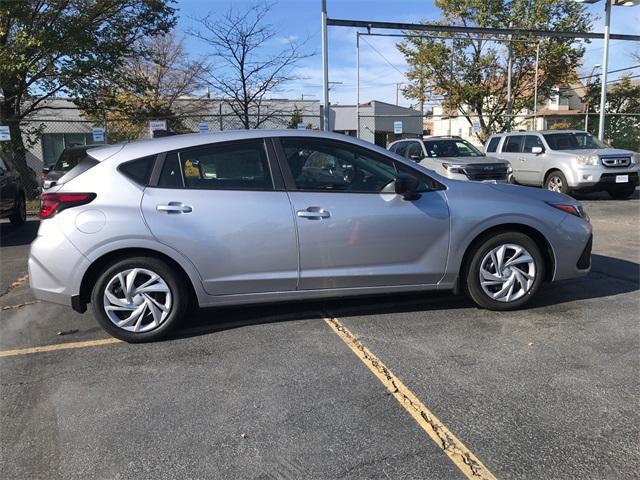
(605, 67)
(453, 44)
(509, 68)
(535, 90)
(358, 84)
(325, 69)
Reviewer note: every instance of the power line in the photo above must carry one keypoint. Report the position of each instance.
(385, 58)
(612, 71)
(620, 79)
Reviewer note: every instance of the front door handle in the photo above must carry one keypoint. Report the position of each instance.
(313, 213)
(174, 207)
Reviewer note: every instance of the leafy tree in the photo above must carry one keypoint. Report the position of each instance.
(472, 70)
(623, 97)
(296, 118)
(52, 48)
(245, 71)
(148, 86)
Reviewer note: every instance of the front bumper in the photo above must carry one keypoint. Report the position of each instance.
(571, 244)
(595, 180)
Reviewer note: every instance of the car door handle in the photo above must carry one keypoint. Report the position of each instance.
(313, 213)
(174, 207)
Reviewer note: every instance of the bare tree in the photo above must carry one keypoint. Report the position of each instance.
(245, 67)
(149, 86)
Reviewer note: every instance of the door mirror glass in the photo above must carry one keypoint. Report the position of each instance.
(537, 150)
(407, 186)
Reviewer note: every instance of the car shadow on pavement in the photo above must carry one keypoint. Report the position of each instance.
(609, 276)
(11, 236)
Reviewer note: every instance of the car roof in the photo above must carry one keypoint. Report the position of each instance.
(542, 132)
(154, 146)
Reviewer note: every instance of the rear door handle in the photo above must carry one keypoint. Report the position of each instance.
(174, 207)
(313, 213)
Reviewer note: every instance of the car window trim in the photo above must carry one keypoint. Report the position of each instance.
(291, 184)
(277, 182)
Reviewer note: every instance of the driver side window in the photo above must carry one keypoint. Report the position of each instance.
(334, 166)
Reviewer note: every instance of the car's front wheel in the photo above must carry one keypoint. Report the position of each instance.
(557, 182)
(504, 271)
(139, 299)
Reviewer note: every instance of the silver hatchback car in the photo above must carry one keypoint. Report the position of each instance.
(142, 230)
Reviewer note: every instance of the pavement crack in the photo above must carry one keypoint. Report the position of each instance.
(18, 305)
(18, 282)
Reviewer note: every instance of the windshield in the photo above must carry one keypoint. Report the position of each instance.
(451, 148)
(572, 141)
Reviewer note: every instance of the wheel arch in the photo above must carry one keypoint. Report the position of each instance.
(99, 264)
(568, 176)
(533, 233)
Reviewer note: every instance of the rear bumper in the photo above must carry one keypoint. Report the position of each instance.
(55, 266)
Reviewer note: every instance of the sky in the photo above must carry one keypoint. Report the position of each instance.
(381, 65)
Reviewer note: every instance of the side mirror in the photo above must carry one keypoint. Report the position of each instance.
(537, 150)
(46, 170)
(407, 186)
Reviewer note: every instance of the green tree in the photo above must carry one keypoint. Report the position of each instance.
(623, 98)
(148, 86)
(296, 118)
(53, 48)
(472, 71)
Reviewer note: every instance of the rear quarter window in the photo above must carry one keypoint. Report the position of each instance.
(492, 146)
(138, 170)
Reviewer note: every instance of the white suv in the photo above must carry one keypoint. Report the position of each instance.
(566, 161)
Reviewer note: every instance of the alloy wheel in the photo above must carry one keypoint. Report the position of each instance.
(507, 273)
(555, 184)
(137, 300)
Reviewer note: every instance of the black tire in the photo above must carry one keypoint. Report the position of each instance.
(557, 182)
(471, 273)
(621, 193)
(19, 215)
(177, 310)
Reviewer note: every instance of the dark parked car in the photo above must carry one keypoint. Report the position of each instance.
(68, 159)
(12, 196)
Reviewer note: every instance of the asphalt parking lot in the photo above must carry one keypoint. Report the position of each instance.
(274, 392)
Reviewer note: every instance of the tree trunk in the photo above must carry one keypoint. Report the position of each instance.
(16, 150)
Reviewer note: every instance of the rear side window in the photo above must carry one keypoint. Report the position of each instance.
(227, 166)
(138, 170)
(492, 146)
(171, 177)
(512, 144)
(83, 165)
(69, 159)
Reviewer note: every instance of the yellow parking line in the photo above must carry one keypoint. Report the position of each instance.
(59, 346)
(460, 455)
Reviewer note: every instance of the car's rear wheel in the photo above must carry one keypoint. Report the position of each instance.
(19, 215)
(139, 299)
(621, 193)
(504, 271)
(556, 182)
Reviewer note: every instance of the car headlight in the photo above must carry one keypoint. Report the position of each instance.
(572, 208)
(453, 168)
(635, 158)
(587, 159)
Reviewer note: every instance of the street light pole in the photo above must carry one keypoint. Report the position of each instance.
(325, 69)
(605, 66)
(535, 89)
(588, 102)
(358, 84)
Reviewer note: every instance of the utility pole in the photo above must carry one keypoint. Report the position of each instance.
(535, 89)
(325, 69)
(605, 66)
(358, 84)
(509, 68)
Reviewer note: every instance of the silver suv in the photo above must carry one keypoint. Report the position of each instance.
(143, 230)
(566, 161)
(452, 157)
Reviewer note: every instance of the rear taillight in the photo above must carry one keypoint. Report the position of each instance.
(52, 203)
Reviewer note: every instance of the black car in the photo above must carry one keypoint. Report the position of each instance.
(68, 159)
(12, 193)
